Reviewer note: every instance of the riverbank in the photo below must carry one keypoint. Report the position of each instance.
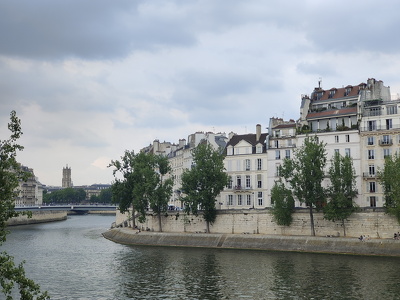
(332, 245)
(38, 217)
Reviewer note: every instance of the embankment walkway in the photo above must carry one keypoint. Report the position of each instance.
(333, 245)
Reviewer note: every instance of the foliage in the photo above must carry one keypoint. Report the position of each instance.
(143, 183)
(390, 178)
(203, 182)
(65, 196)
(162, 187)
(104, 197)
(305, 173)
(10, 174)
(341, 191)
(283, 204)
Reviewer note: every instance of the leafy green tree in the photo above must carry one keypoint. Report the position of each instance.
(389, 177)
(283, 204)
(305, 173)
(11, 276)
(162, 187)
(203, 182)
(342, 190)
(105, 196)
(142, 185)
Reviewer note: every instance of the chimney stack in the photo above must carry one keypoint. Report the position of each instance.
(258, 132)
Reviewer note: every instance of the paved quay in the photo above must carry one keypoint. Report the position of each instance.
(332, 245)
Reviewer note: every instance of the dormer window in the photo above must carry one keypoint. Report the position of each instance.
(331, 93)
(347, 91)
(319, 95)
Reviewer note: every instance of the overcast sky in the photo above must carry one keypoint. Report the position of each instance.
(91, 79)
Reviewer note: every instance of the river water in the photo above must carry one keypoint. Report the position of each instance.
(71, 260)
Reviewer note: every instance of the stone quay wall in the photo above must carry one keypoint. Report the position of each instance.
(38, 217)
(375, 224)
(337, 245)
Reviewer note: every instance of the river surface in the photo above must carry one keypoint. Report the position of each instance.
(71, 260)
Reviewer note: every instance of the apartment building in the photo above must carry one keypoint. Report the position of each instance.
(246, 165)
(30, 192)
(379, 138)
(281, 141)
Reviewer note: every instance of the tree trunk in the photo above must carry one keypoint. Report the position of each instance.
(133, 218)
(344, 228)
(208, 226)
(312, 221)
(159, 222)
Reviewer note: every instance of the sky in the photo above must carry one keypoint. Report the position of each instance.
(91, 79)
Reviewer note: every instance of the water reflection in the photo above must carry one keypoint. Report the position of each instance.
(73, 261)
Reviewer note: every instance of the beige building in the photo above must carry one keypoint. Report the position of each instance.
(246, 165)
(30, 192)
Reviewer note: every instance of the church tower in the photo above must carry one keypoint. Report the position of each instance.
(66, 179)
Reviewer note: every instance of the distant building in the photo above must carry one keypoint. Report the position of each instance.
(66, 179)
(30, 192)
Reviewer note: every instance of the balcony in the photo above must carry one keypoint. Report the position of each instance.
(388, 142)
(368, 175)
(242, 189)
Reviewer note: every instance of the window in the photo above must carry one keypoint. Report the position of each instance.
(238, 181)
(230, 199)
(347, 138)
(371, 169)
(276, 144)
(347, 152)
(372, 187)
(259, 149)
(336, 151)
(230, 183)
(336, 139)
(386, 140)
(248, 183)
(371, 154)
(372, 201)
(239, 199)
(287, 154)
(260, 199)
(371, 125)
(277, 154)
(259, 164)
(387, 152)
(389, 124)
(248, 199)
(371, 140)
(259, 181)
(277, 133)
(247, 164)
(278, 173)
(391, 110)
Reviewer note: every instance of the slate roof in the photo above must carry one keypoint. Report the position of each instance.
(250, 138)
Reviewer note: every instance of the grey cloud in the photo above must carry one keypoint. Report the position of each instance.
(92, 30)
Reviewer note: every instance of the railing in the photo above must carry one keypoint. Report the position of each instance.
(369, 175)
(386, 142)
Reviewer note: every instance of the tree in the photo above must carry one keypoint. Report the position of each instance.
(390, 178)
(305, 173)
(133, 189)
(10, 174)
(341, 191)
(161, 187)
(203, 182)
(283, 204)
